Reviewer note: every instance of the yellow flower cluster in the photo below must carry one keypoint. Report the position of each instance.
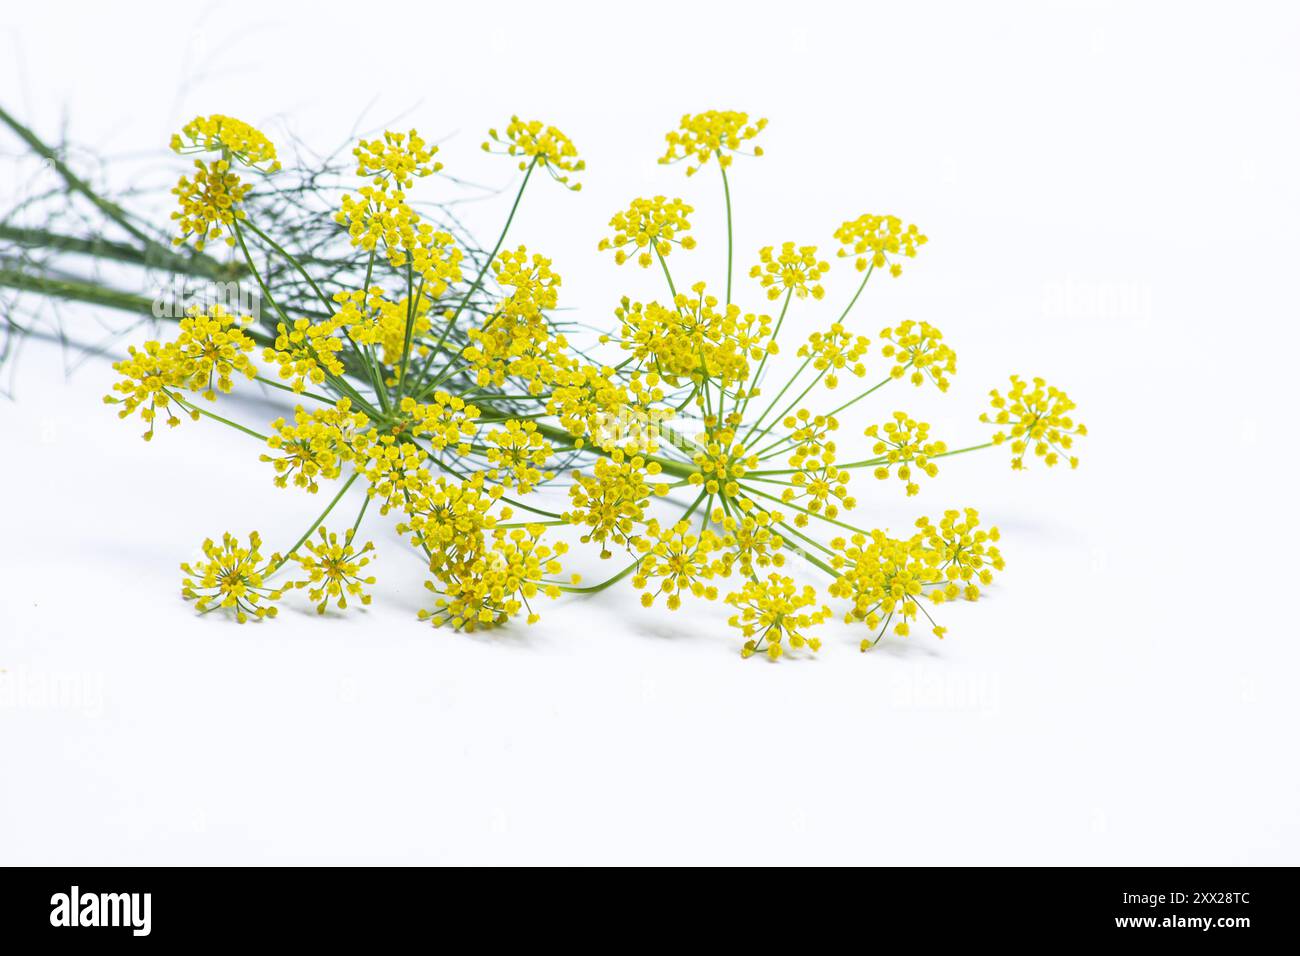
(307, 351)
(396, 472)
(209, 202)
(517, 341)
(148, 375)
(818, 485)
(497, 584)
(965, 552)
(678, 559)
(450, 401)
(902, 443)
(884, 578)
(334, 571)
(229, 136)
(533, 283)
(874, 240)
(713, 133)
(611, 502)
(651, 226)
(382, 217)
(517, 455)
(535, 142)
(835, 350)
(694, 340)
(611, 415)
(448, 520)
(209, 349)
(447, 421)
(232, 577)
(919, 346)
(722, 462)
(749, 541)
(317, 444)
(776, 611)
(792, 270)
(399, 157)
(1039, 417)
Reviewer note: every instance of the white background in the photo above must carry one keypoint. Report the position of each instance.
(1110, 191)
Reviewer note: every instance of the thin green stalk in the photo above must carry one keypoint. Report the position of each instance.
(726, 192)
(749, 393)
(848, 308)
(597, 588)
(213, 415)
(316, 524)
(784, 388)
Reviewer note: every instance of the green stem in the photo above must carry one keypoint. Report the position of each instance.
(726, 192)
(766, 354)
(316, 524)
(843, 315)
(183, 403)
(597, 588)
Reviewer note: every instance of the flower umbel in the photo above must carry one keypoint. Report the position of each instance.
(776, 612)
(1037, 416)
(647, 227)
(232, 577)
(334, 570)
(534, 142)
(876, 240)
(719, 133)
(791, 270)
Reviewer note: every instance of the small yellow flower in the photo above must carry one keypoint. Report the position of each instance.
(793, 270)
(834, 350)
(650, 226)
(902, 443)
(874, 240)
(231, 137)
(489, 588)
(678, 559)
(776, 612)
(209, 203)
(535, 142)
(885, 578)
(1039, 417)
(717, 133)
(232, 577)
(334, 570)
(397, 158)
(307, 351)
(919, 346)
(967, 554)
(316, 445)
(611, 502)
(518, 455)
